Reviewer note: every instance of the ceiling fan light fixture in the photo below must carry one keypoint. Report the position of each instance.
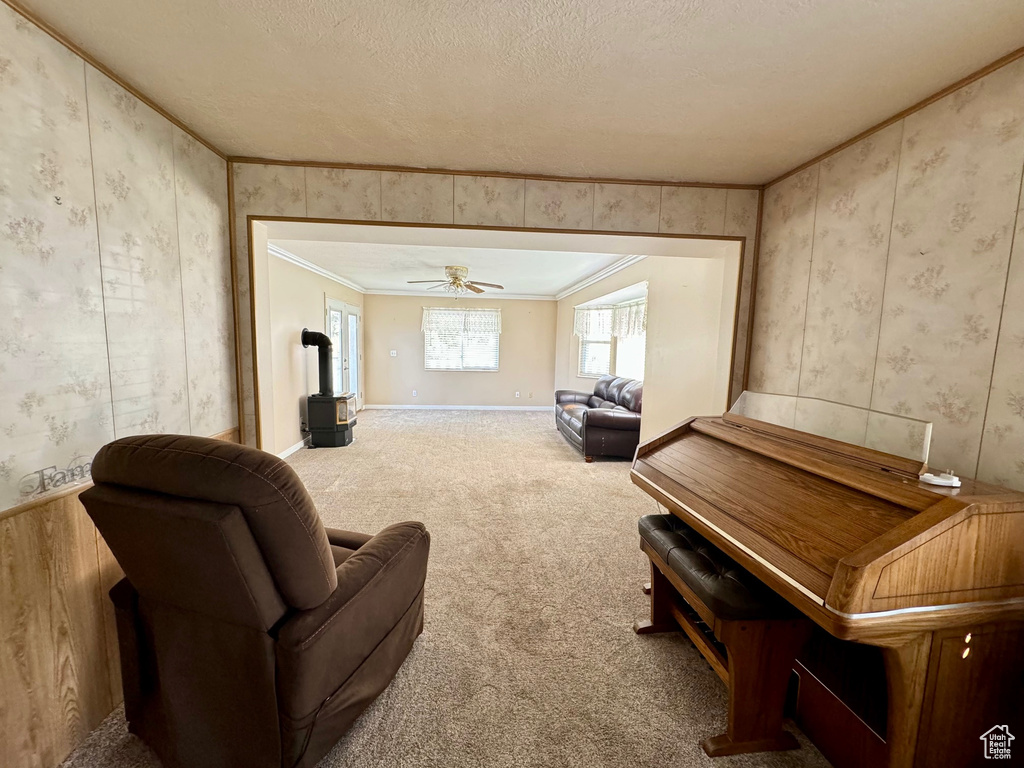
(458, 288)
(457, 273)
(456, 279)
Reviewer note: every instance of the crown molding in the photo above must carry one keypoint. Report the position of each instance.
(608, 271)
(298, 261)
(486, 297)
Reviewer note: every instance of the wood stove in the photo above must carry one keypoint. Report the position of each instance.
(329, 417)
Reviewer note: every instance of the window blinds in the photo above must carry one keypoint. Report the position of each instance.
(461, 339)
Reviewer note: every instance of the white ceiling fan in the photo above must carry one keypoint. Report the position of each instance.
(455, 282)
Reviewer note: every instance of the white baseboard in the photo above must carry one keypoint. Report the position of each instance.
(458, 407)
(289, 451)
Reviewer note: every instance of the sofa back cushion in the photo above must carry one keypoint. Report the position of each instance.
(612, 391)
(632, 396)
(601, 387)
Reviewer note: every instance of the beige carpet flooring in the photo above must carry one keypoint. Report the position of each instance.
(528, 657)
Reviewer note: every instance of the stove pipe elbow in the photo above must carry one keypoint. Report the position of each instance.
(323, 344)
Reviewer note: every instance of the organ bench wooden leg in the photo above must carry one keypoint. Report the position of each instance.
(661, 592)
(761, 655)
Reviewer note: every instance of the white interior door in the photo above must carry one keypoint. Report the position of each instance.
(342, 325)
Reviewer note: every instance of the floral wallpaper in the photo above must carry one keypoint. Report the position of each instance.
(780, 301)
(133, 160)
(201, 193)
(269, 190)
(559, 204)
(96, 341)
(902, 245)
(419, 197)
(474, 200)
(852, 219)
(490, 201)
(340, 193)
(627, 207)
(693, 210)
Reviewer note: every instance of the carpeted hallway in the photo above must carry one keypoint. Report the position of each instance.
(528, 657)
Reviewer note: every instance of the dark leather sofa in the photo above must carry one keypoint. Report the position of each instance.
(605, 422)
(249, 634)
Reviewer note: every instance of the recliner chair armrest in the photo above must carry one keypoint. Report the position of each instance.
(610, 418)
(346, 539)
(318, 649)
(572, 396)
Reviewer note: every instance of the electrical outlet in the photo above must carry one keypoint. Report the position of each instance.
(414, 393)
(394, 353)
(517, 394)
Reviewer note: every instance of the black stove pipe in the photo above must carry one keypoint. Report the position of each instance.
(323, 344)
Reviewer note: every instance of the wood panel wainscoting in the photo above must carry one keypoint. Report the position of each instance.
(59, 667)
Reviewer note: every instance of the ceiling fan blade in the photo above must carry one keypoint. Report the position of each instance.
(422, 281)
(488, 285)
(432, 287)
(473, 288)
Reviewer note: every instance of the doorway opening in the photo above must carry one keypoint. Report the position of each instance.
(431, 317)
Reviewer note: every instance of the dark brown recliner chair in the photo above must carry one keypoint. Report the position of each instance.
(249, 634)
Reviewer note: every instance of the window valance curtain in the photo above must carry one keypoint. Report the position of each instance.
(457, 320)
(630, 319)
(593, 322)
(621, 320)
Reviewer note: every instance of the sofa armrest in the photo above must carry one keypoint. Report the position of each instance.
(572, 396)
(318, 649)
(610, 418)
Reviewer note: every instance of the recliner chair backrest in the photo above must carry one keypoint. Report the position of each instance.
(211, 527)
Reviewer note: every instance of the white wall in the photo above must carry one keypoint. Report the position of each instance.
(690, 322)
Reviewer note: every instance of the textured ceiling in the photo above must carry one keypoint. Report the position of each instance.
(387, 267)
(698, 90)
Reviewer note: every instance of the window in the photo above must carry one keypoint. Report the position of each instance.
(613, 338)
(594, 327)
(630, 356)
(460, 339)
(629, 328)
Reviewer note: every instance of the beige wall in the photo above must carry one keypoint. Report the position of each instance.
(526, 356)
(296, 300)
(690, 319)
(890, 277)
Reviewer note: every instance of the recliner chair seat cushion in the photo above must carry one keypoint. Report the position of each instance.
(731, 592)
